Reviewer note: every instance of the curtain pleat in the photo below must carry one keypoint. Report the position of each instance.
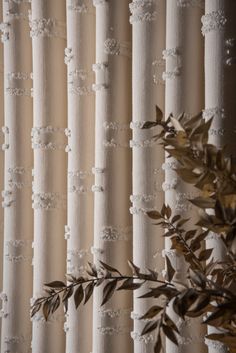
(112, 188)
(49, 143)
(219, 31)
(79, 57)
(184, 94)
(1, 154)
(78, 79)
(148, 22)
(18, 217)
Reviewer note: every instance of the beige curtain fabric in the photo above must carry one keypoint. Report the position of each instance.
(78, 78)
(184, 93)
(148, 23)
(80, 57)
(112, 188)
(219, 32)
(17, 192)
(49, 142)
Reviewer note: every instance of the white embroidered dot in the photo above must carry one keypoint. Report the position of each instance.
(113, 47)
(143, 198)
(146, 339)
(142, 10)
(213, 21)
(169, 186)
(114, 313)
(47, 27)
(142, 210)
(5, 29)
(78, 8)
(100, 66)
(110, 233)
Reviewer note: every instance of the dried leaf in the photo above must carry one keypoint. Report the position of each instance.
(108, 291)
(178, 245)
(163, 210)
(100, 281)
(197, 278)
(35, 309)
(205, 254)
(55, 303)
(158, 345)
(182, 139)
(203, 202)
(78, 296)
(201, 302)
(190, 234)
(67, 293)
(159, 114)
(154, 214)
(169, 333)
(154, 274)
(70, 278)
(226, 338)
(168, 211)
(153, 311)
(129, 284)
(65, 305)
(182, 222)
(135, 269)
(175, 218)
(218, 317)
(170, 323)
(46, 309)
(206, 178)
(55, 284)
(88, 291)
(93, 270)
(109, 268)
(195, 245)
(176, 124)
(149, 124)
(38, 301)
(170, 271)
(149, 327)
(169, 233)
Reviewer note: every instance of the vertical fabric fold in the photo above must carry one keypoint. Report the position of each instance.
(184, 94)
(80, 57)
(96, 171)
(49, 143)
(112, 221)
(1, 151)
(18, 220)
(219, 32)
(148, 23)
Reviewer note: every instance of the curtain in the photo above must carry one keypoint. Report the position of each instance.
(78, 79)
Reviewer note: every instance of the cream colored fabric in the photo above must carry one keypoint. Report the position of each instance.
(49, 143)
(18, 216)
(80, 57)
(184, 93)
(148, 22)
(112, 188)
(1, 157)
(80, 77)
(1, 151)
(219, 30)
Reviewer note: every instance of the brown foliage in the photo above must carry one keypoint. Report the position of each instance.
(210, 285)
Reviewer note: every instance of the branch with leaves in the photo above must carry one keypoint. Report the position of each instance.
(82, 287)
(210, 285)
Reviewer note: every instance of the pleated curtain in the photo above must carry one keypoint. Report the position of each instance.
(78, 79)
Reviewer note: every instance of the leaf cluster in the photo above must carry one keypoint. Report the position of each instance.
(209, 286)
